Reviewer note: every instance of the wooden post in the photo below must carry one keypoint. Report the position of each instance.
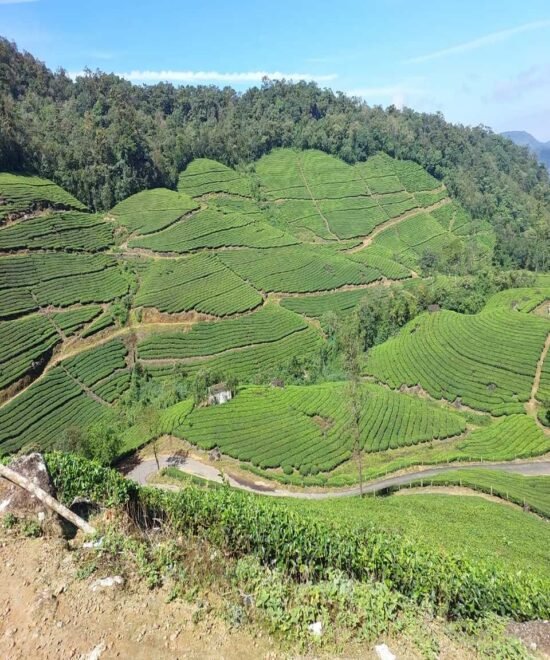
(46, 499)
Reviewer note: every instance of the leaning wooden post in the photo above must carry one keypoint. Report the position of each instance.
(46, 499)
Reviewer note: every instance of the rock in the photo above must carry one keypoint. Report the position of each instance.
(93, 545)
(383, 652)
(215, 454)
(21, 503)
(106, 583)
(95, 654)
(316, 628)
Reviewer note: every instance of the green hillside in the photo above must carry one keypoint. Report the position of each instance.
(102, 314)
(292, 348)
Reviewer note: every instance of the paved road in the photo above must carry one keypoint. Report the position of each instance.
(145, 469)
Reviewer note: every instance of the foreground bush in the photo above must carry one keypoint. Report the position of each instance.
(304, 549)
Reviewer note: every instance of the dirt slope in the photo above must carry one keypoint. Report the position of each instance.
(47, 612)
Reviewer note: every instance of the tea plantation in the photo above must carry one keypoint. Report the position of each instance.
(228, 277)
(270, 282)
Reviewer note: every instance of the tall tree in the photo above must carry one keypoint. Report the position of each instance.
(351, 344)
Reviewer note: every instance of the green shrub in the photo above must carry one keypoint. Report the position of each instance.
(74, 476)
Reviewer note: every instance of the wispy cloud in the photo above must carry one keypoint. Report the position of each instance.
(397, 94)
(534, 78)
(480, 42)
(16, 2)
(217, 76)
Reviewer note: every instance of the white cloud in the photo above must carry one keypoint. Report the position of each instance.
(216, 76)
(395, 94)
(487, 40)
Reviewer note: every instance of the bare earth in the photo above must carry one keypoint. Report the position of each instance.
(47, 613)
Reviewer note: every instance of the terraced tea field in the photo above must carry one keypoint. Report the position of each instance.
(322, 195)
(270, 324)
(23, 194)
(152, 210)
(230, 275)
(486, 361)
(533, 492)
(308, 427)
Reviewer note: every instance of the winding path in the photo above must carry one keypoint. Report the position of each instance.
(395, 221)
(192, 466)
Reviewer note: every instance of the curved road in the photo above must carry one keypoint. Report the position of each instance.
(192, 466)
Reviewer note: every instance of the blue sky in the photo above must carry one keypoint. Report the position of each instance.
(478, 62)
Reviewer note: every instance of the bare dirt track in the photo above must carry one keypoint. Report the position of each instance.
(395, 221)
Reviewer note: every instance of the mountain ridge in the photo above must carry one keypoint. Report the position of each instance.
(525, 139)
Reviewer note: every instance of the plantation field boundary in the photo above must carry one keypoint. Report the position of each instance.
(314, 200)
(395, 221)
(87, 390)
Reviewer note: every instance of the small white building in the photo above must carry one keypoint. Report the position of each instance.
(219, 394)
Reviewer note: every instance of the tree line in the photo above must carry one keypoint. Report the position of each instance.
(104, 138)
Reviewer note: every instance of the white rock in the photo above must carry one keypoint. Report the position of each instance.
(316, 628)
(93, 544)
(105, 583)
(383, 652)
(95, 654)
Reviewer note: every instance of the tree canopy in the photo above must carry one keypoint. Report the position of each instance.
(103, 139)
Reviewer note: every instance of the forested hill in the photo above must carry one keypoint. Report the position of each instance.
(103, 139)
(524, 139)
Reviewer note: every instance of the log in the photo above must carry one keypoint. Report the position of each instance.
(46, 499)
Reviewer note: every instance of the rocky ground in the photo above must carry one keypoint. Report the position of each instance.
(48, 610)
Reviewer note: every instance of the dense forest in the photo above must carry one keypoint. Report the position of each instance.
(103, 139)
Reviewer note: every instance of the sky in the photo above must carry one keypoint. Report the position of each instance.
(478, 62)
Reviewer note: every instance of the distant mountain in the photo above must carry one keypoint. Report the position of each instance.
(524, 139)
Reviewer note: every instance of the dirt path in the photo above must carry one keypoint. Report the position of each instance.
(144, 470)
(395, 221)
(87, 390)
(531, 405)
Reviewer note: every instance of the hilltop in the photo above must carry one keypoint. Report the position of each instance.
(104, 139)
(525, 139)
